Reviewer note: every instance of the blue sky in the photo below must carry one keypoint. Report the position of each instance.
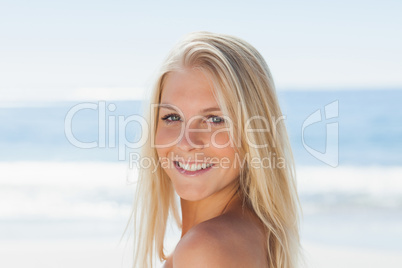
(56, 50)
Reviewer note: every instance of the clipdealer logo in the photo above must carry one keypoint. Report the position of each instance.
(115, 127)
(331, 154)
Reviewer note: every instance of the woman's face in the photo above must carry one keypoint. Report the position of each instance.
(191, 135)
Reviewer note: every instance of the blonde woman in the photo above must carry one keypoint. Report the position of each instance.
(217, 141)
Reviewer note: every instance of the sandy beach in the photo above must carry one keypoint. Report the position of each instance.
(56, 214)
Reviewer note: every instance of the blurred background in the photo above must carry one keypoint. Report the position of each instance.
(73, 74)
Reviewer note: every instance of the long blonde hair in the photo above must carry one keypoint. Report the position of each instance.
(244, 89)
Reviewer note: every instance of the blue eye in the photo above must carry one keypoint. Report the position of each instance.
(169, 118)
(216, 120)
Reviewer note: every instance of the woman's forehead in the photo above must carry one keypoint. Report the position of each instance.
(202, 110)
(188, 88)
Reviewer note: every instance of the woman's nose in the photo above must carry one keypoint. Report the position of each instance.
(194, 136)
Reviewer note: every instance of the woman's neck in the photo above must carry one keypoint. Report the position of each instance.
(195, 212)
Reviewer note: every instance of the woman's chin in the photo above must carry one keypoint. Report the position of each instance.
(191, 195)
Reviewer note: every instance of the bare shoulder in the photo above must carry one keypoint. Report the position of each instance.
(224, 241)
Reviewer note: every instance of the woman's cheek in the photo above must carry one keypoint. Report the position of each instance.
(220, 139)
(167, 136)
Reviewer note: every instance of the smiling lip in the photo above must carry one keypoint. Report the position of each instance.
(191, 173)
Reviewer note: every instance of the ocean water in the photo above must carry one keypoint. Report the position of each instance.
(368, 123)
(347, 146)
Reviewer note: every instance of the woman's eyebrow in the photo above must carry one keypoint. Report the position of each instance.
(170, 107)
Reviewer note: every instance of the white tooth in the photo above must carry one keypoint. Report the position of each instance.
(194, 167)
